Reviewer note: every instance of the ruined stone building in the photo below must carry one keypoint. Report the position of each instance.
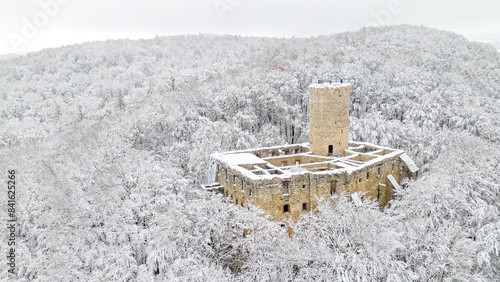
(286, 180)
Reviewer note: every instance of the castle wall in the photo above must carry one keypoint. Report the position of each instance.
(300, 191)
(296, 159)
(286, 181)
(328, 118)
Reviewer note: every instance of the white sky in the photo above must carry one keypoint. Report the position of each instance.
(36, 24)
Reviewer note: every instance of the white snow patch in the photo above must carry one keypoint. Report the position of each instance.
(329, 85)
(297, 169)
(356, 199)
(242, 158)
(409, 162)
(393, 181)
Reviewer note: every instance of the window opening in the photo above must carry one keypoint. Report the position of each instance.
(286, 189)
(286, 208)
(304, 206)
(234, 183)
(333, 187)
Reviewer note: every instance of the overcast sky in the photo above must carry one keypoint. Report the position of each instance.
(33, 25)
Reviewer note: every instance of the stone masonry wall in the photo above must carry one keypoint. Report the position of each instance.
(328, 118)
(303, 189)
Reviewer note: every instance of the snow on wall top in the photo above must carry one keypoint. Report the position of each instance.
(251, 151)
(329, 85)
(409, 162)
(241, 159)
(393, 181)
(358, 156)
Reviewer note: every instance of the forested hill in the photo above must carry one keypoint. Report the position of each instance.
(228, 92)
(111, 140)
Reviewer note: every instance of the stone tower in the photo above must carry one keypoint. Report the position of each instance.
(329, 118)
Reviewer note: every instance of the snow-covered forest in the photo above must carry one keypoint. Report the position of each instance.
(111, 141)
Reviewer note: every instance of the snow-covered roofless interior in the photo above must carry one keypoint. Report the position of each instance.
(282, 162)
(286, 180)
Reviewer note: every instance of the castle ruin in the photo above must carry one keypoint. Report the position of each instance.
(285, 181)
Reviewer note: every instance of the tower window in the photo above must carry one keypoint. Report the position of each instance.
(304, 206)
(303, 186)
(286, 208)
(330, 150)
